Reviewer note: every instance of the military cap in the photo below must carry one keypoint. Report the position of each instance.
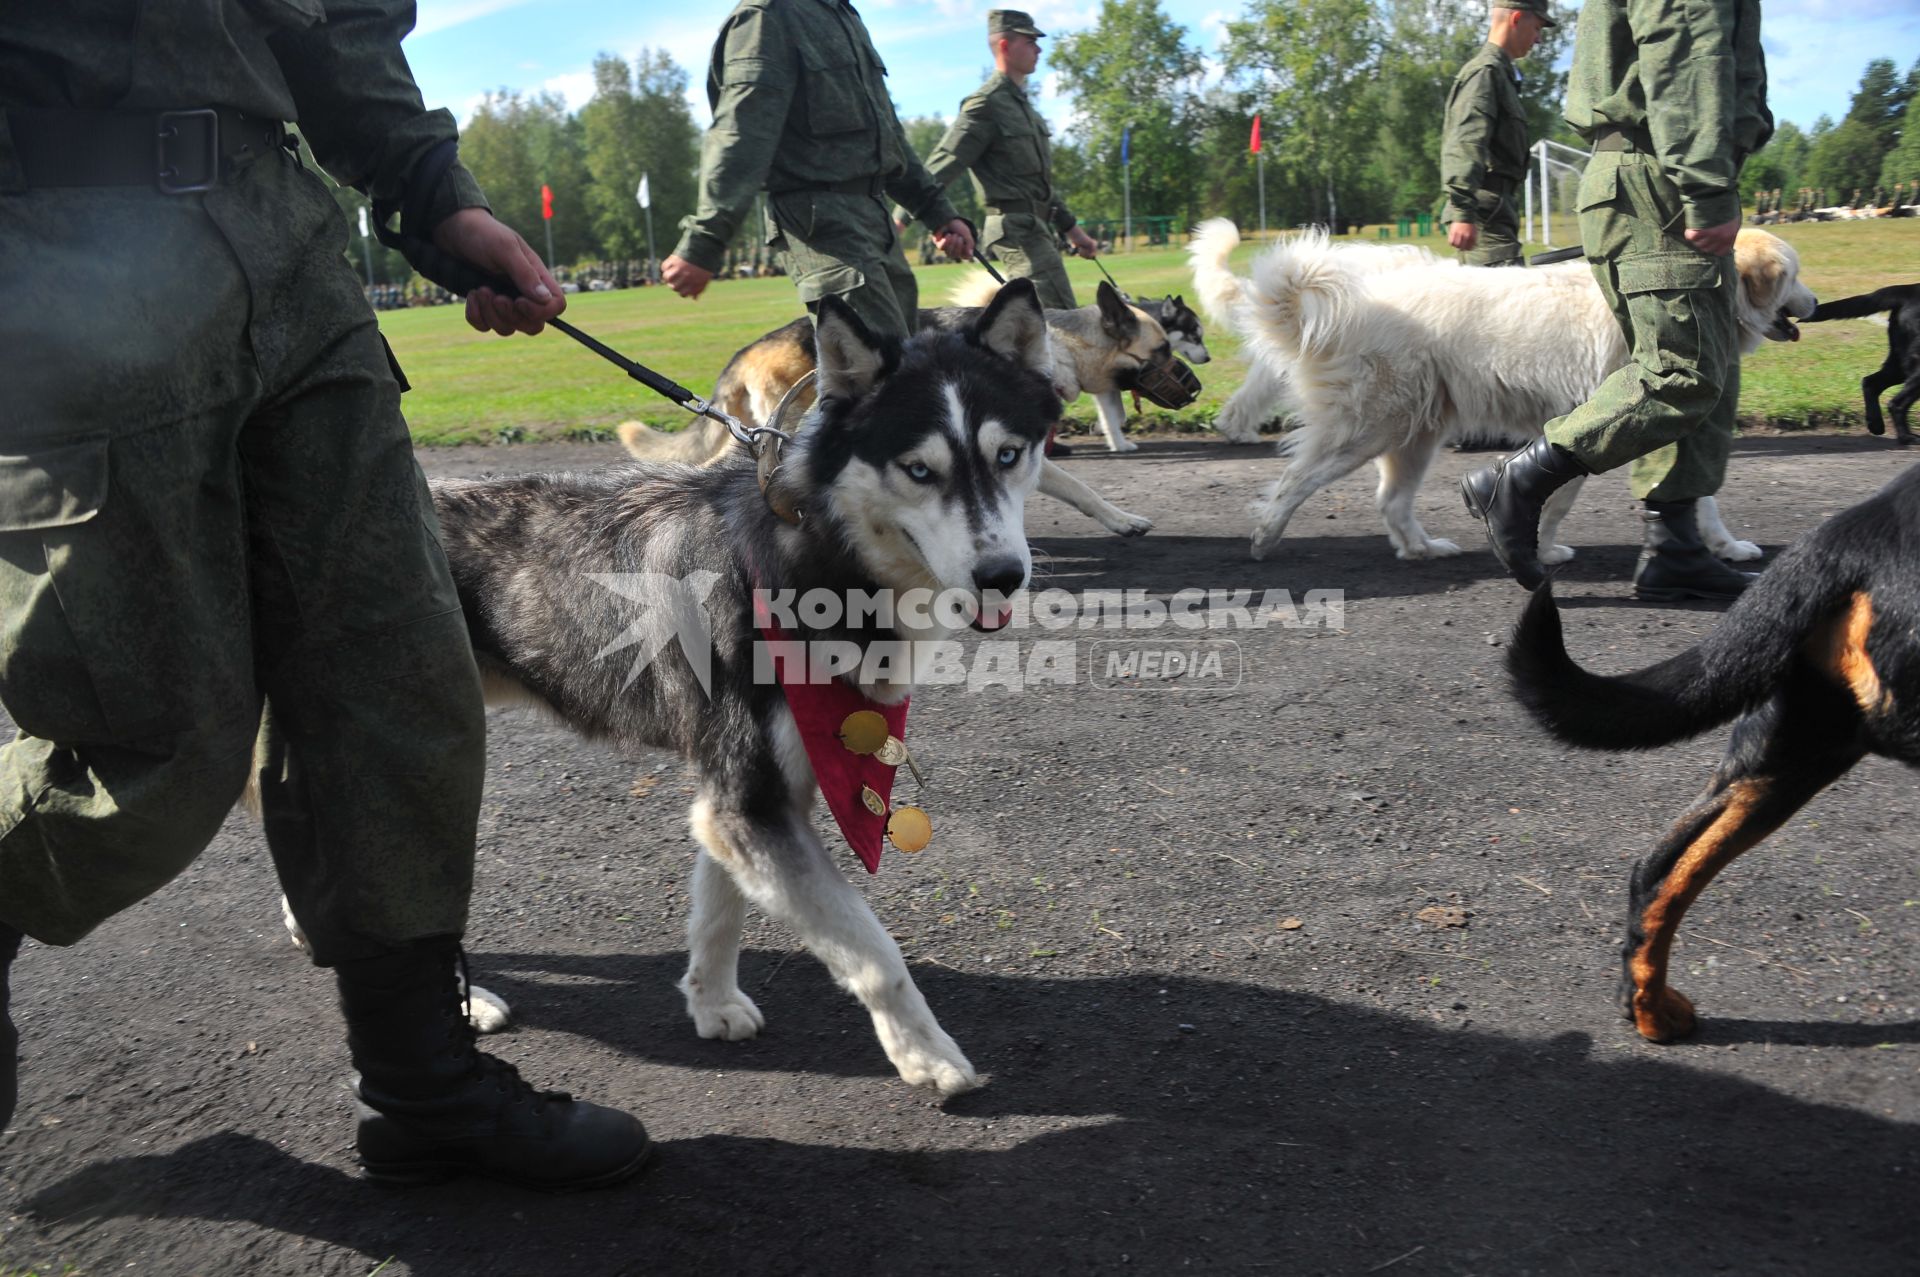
(1529, 6)
(1012, 22)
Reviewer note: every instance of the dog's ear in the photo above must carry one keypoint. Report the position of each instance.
(1015, 327)
(850, 360)
(1115, 315)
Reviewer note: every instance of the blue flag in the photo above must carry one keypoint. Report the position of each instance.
(1126, 142)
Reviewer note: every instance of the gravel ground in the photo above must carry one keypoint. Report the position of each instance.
(1180, 925)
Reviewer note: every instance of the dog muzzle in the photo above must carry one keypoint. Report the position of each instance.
(1169, 385)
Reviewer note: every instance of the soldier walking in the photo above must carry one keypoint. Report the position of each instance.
(1483, 152)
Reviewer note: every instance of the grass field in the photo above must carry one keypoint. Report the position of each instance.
(476, 388)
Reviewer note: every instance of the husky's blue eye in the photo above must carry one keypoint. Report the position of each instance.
(918, 471)
(1008, 456)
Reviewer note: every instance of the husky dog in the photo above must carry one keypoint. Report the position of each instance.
(1104, 349)
(911, 472)
(1385, 352)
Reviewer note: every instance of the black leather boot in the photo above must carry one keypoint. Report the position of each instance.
(1676, 564)
(1509, 497)
(432, 1106)
(9, 1036)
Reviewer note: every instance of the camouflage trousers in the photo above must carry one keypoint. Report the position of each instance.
(1025, 246)
(1669, 411)
(1498, 243)
(834, 244)
(210, 518)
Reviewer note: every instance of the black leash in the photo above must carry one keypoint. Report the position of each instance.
(980, 254)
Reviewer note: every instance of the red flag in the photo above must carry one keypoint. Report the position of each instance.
(1254, 146)
(546, 192)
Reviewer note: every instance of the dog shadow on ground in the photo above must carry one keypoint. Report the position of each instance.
(1141, 1122)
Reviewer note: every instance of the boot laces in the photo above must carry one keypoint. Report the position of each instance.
(504, 1077)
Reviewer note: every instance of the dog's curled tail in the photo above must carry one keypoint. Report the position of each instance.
(976, 289)
(1865, 304)
(694, 445)
(1300, 298)
(1217, 287)
(1732, 670)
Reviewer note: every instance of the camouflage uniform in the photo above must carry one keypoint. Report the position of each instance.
(800, 110)
(1483, 156)
(208, 499)
(1664, 161)
(1004, 143)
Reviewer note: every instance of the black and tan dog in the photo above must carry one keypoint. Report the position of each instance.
(1902, 303)
(1820, 661)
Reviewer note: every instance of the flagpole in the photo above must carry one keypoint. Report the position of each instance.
(1126, 182)
(646, 205)
(1261, 156)
(549, 243)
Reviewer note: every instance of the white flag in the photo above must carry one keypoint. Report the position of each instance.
(646, 201)
(363, 221)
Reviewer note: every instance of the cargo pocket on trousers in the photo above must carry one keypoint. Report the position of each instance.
(1670, 273)
(829, 281)
(44, 681)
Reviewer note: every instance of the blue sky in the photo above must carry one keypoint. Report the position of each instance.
(936, 49)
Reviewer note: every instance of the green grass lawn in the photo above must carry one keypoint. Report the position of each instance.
(477, 388)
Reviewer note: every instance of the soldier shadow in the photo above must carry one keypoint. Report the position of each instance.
(1811, 445)
(1146, 1122)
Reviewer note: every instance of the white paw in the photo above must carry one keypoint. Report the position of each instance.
(1553, 554)
(1737, 551)
(1124, 445)
(931, 1058)
(1238, 434)
(1431, 548)
(1127, 525)
(294, 932)
(730, 1016)
(487, 1012)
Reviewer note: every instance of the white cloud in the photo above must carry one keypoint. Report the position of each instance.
(439, 15)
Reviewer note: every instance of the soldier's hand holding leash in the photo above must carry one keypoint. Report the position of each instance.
(474, 235)
(1082, 243)
(956, 240)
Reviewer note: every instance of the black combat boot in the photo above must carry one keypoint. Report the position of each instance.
(1509, 497)
(432, 1106)
(1676, 564)
(9, 1036)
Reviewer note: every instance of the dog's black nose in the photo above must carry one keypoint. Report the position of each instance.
(1003, 575)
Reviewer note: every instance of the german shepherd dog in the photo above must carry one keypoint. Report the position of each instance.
(1102, 349)
(1820, 661)
(1903, 352)
(911, 472)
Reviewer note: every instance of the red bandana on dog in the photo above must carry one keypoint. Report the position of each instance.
(845, 777)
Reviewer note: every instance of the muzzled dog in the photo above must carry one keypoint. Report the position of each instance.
(1099, 349)
(1383, 353)
(1820, 661)
(910, 472)
(1902, 364)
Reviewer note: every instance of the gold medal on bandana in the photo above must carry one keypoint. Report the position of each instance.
(874, 802)
(909, 829)
(864, 732)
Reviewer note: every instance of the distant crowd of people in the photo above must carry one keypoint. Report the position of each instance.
(1810, 204)
(591, 277)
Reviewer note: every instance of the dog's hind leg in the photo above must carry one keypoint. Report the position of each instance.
(1112, 412)
(1719, 540)
(712, 984)
(1315, 462)
(781, 866)
(1062, 486)
(1899, 406)
(1551, 514)
(1780, 756)
(1401, 472)
(1249, 407)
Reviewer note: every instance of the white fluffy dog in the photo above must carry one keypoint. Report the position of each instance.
(1384, 352)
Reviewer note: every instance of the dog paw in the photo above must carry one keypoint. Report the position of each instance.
(1737, 551)
(1555, 554)
(1128, 525)
(1124, 445)
(1431, 548)
(1663, 1015)
(487, 1012)
(732, 1017)
(932, 1059)
(294, 931)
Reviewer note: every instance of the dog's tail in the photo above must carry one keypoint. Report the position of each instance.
(1732, 670)
(975, 289)
(1300, 299)
(1866, 304)
(1218, 288)
(694, 445)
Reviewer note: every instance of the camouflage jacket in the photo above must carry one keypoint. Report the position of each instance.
(332, 66)
(1483, 154)
(799, 100)
(1687, 82)
(1003, 142)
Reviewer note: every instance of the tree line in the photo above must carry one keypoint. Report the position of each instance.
(1352, 98)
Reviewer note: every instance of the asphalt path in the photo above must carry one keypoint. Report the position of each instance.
(1307, 971)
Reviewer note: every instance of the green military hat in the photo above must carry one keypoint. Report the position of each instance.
(1529, 6)
(1012, 22)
